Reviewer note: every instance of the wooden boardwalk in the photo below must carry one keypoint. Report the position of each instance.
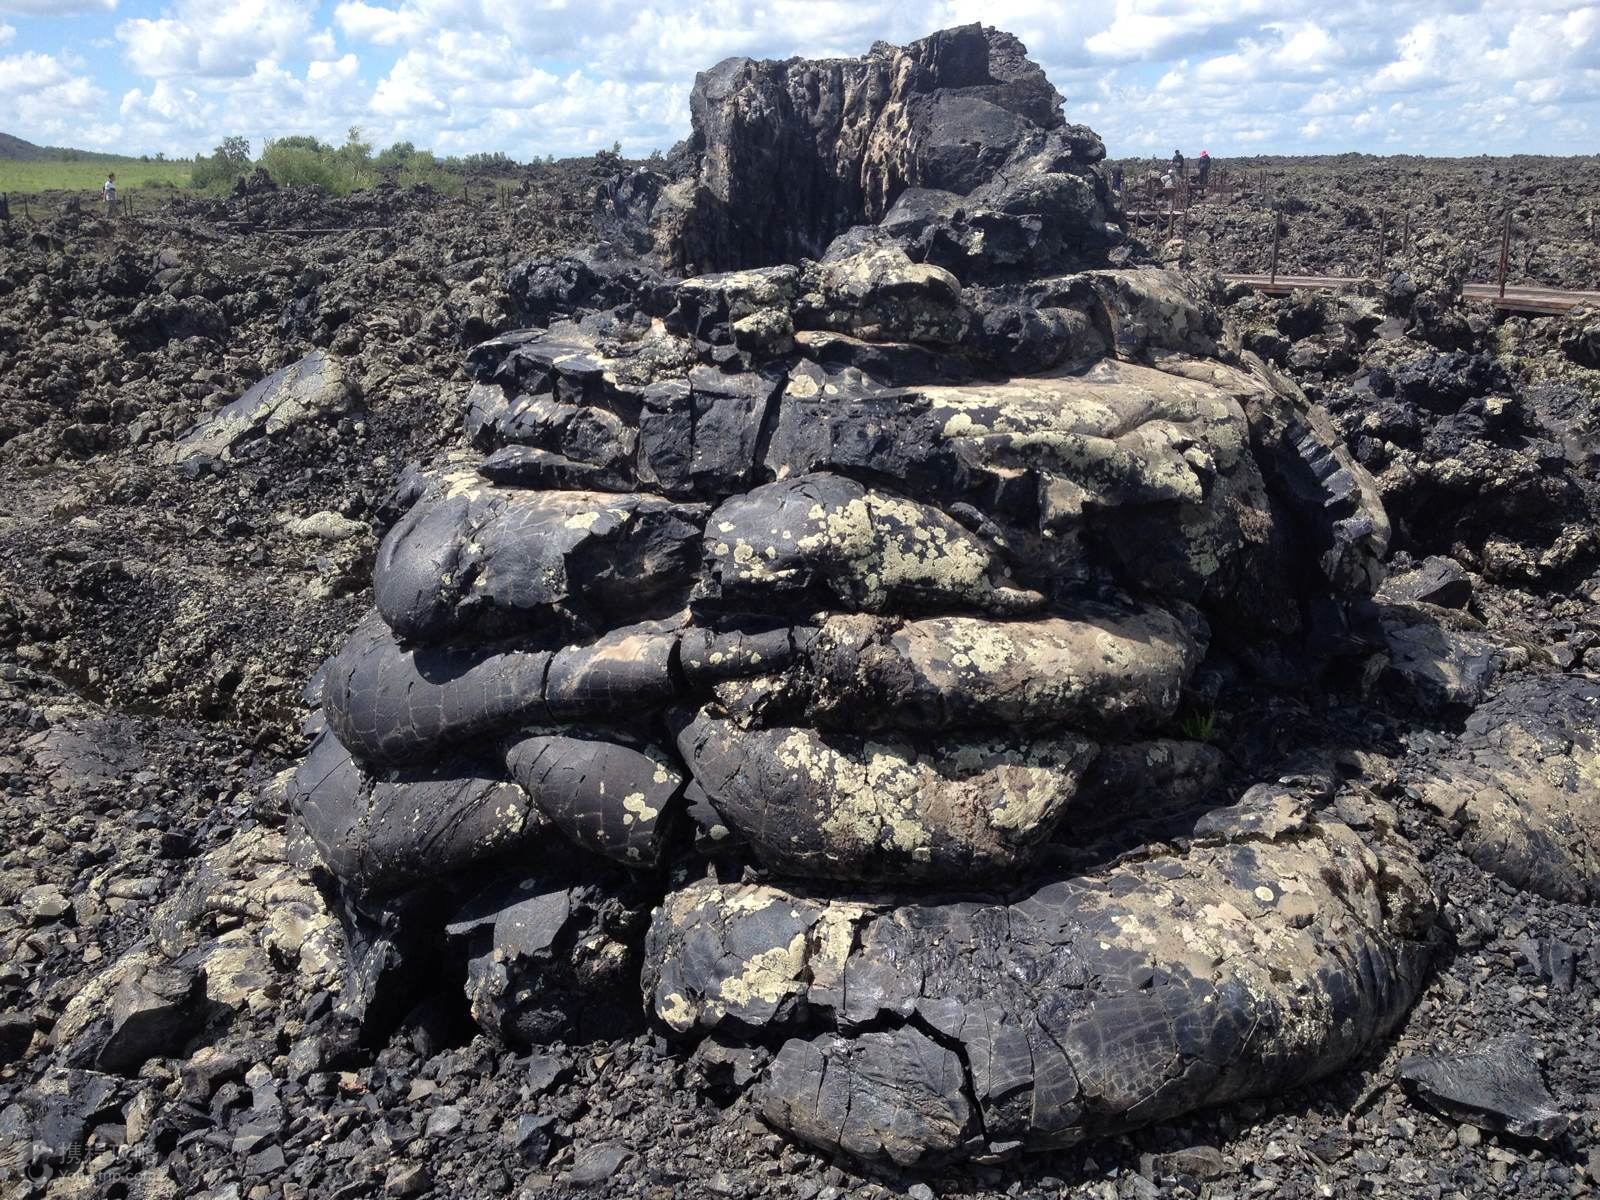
(1538, 300)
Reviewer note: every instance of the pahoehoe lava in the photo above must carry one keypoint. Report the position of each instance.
(855, 549)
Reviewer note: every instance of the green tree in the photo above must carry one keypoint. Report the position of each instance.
(301, 161)
(304, 161)
(222, 166)
(496, 163)
(297, 141)
(354, 162)
(395, 159)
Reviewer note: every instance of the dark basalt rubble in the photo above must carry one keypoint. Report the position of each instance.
(1520, 786)
(1479, 439)
(1335, 208)
(1496, 1087)
(857, 557)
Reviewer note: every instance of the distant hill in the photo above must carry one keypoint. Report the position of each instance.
(20, 151)
(14, 149)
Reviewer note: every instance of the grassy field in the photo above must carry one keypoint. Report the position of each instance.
(28, 178)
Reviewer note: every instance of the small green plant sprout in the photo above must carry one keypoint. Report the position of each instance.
(1200, 725)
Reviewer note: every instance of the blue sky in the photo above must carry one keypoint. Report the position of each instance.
(532, 77)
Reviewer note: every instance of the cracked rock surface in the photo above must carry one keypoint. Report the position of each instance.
(1269, 952)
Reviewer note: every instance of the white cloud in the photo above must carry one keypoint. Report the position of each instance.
(1146, 29)
(1427, 56)
(1269, 74)
(185, 116)
(55, 8)
(217, 38)
(380, 26)
(30, 72)
(329, 71)
(43, 99)
(1402, 75)
(563, 76)
(7, 33)
(1307, 47)
(407, 90)
(570, 77)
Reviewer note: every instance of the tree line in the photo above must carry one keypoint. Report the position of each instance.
(340, 170)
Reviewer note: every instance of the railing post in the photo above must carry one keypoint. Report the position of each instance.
(1383, 229)
(1275, 222)
(1405, 236)
(1505, 253)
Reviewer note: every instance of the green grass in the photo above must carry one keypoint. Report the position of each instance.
(1200, 725)
(29, 178)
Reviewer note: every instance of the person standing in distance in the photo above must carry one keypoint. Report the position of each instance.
(109, 191)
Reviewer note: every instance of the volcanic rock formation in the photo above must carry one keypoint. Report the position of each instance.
(956, 143)
(857, 565)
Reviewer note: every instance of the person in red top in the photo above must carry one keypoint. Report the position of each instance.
(1205, 168)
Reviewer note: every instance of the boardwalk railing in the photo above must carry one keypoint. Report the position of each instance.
(1512, 298)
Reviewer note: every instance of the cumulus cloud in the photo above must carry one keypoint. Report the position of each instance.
(1398, 76)
(42, 96)
(55, 8)
(8, 33)
(216, 38)
(189, 115)
(1147, 29)
(378, 25)
(31, 72)
(568, 76)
